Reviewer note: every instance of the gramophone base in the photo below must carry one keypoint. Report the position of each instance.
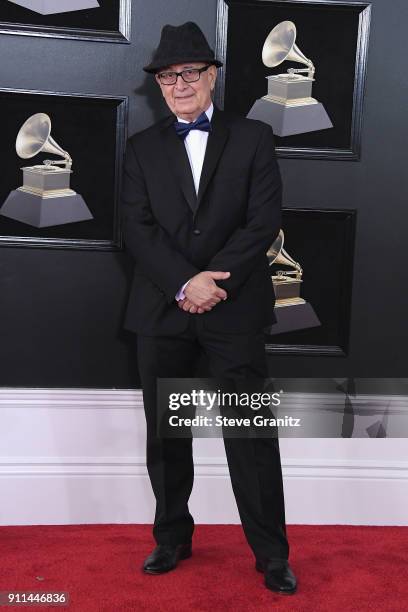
(38, 211)
(49, 7)
(292, 318)
(289, 120)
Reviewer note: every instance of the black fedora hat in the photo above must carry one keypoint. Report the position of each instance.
(180, 44)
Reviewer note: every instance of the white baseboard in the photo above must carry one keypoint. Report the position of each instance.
(77, 456)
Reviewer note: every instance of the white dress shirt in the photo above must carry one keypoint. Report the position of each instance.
(196, 145)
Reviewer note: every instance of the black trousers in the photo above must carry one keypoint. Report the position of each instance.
(254, 463)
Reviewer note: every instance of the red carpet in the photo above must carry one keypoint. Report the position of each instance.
(338, 568)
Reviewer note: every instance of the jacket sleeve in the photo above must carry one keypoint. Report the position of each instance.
(145, 240)
(245, 247)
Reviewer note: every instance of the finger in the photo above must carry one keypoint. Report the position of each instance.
(219, 275)
(193, 309)
(220, 293)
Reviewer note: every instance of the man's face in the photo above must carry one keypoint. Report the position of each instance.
(189, 100)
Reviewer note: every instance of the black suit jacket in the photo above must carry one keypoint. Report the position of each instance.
(172, 234)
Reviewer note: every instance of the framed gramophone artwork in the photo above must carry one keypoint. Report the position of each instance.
(312, 273)
(97, 20)
(62, 159)
(300, 66)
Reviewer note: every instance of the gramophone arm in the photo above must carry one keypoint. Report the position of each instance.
(54, 162)
(298, 273)
(310, 70)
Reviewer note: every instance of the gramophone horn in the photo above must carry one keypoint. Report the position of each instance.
(280, 46)
(277, 254)
(35, 137)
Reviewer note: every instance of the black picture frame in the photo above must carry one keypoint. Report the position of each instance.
(322, 241)
(93, 129)
(333, 34)
(110, 23)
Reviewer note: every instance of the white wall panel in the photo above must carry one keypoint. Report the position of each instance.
(77, 456)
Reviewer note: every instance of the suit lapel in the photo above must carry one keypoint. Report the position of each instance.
(179, 162)
(215, 146)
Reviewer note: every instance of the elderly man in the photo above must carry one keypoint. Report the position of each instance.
(201, 205)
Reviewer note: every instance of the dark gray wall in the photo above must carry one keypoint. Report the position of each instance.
(60, 311)
(377, 187)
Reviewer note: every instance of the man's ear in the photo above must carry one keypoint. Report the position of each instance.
(213, 74)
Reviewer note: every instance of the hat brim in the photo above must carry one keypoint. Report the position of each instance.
(154, 67)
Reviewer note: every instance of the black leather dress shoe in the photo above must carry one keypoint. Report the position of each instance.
(279, 576)
(165, 558)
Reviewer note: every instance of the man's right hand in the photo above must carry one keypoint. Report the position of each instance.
(202, 290)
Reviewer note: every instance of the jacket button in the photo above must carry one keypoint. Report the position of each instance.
(196, 232)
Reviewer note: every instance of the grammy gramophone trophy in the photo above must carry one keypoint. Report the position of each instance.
(288, 106)
(50, 7)
(291, 310)
(45, 199)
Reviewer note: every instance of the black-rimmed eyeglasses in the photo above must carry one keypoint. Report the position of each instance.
(190, 75)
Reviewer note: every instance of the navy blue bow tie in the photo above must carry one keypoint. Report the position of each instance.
(202, 123)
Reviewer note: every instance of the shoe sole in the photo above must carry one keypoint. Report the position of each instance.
(292, 592)
(184, 555)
